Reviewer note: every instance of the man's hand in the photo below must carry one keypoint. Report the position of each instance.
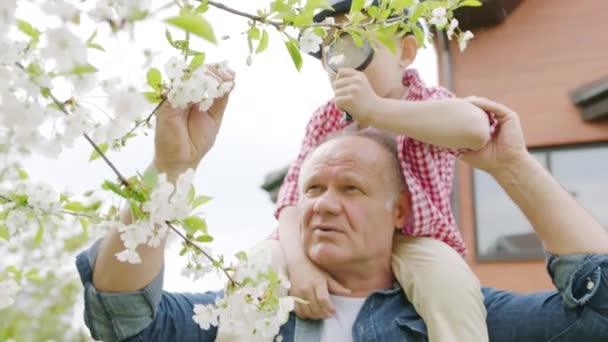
(312, 284)
(354, 95)
(184, 136)
(506, 148)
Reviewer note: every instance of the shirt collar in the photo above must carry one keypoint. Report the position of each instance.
(414, 83)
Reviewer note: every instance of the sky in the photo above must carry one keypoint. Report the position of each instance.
(261, 132)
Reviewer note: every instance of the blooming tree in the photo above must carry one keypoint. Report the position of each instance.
(50, 63)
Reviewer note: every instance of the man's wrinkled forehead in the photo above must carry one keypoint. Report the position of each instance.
(348, 151)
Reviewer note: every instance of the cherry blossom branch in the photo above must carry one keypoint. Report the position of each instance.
(278, 25)
(188, 241)
(125, 182)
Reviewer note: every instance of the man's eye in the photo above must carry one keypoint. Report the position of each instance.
(313, 189)
(352, 188)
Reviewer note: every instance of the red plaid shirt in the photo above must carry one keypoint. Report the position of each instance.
(428, 169)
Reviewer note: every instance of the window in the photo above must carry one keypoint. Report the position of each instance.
(502, 230)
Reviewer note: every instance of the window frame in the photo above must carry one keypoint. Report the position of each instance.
(493, 257)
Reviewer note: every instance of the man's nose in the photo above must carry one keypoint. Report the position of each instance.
(327, 203)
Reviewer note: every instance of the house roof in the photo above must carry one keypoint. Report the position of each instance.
(491, 13)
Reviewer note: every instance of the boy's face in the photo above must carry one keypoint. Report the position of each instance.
(385, 71)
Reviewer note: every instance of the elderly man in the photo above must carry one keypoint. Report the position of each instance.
(349, 208)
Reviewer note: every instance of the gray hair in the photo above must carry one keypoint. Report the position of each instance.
(386, 140)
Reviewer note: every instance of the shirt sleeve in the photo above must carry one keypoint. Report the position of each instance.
(148, 314)
(578, 311)
(324, 121)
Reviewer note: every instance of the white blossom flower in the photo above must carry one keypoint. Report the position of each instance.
(60, 8)
(174, 68)
(65, 48)
(17, 220)
(40, 195)
(127, 103)
(309, 42)
(8, 289)
(463, 39)
(205, 316)
(451, 28)
(7, 13)
(133, 235)
(336, 60)
(129, 256)
(439, 18)
(75, 125)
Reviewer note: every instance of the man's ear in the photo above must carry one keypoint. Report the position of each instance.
(408, 49)
(403, 209)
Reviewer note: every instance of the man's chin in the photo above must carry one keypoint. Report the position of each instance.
(325, 254)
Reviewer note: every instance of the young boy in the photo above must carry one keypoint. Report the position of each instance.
(430, 126)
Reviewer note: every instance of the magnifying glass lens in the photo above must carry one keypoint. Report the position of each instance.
(345, 53)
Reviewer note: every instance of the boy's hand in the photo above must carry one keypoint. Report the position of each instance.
(184, 136)
(354, 95)
(312, 284)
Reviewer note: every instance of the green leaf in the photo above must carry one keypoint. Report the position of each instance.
(196, 62)
(194, 224)
(84, 223)
(83, 69)
(150, 178)
(242, 256)
(32, 275)
(263, 42)
(15, 271)
(22, 174)
(194, 24)
(95, 155)
(39, 234)
(401, 4)
(357, 5)
(418, 11)
(169, 38)
(152, 96)
(91, 37)
(295, 54)
(96, 46)
(107, 185)
(136, 210)
(470, 3)
(419, 34)
(202, 8)
(4, 232)
(191, 194)
(388, 40)
(74, 206)
(154, 78)
(200, 200)
(204, 238)
(28, 29)
(254, 33)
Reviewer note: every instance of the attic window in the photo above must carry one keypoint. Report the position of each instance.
(592, 99)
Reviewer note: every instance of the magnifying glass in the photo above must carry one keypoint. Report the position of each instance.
(344, 52)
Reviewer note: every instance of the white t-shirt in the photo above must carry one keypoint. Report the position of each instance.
(338, 328)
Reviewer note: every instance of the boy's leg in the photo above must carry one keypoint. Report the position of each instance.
(443, 289)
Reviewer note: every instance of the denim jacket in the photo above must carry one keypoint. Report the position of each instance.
(578, 311)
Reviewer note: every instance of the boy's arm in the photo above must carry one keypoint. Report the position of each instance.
(438, 120)
(449, 122)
